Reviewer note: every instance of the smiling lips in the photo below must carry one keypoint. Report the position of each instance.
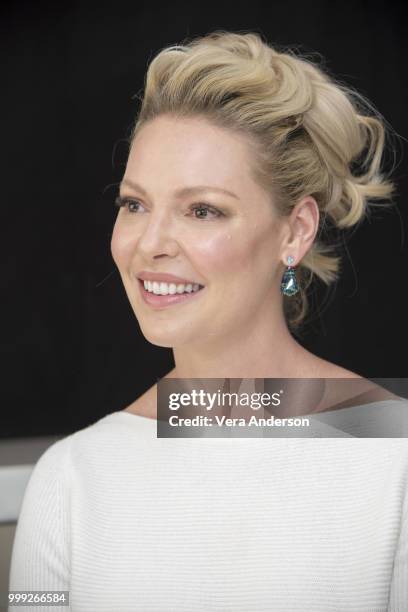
(160, 290)
(169, 288)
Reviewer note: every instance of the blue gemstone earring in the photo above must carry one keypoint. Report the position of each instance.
(289, 284)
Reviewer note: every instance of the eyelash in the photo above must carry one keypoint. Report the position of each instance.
(124, 203)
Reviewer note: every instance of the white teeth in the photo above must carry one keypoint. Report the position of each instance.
(169, 288)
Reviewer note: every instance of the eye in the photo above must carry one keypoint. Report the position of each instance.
(127, 203)
(205, 208)
(205, 211)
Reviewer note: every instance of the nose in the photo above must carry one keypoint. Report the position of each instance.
(157, 237)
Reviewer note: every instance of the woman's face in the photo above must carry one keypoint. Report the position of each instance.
(227, 242)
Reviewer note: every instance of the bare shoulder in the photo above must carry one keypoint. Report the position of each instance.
(359, 389)
(331, 370)
(312, 366)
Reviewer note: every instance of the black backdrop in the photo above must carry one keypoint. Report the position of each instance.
(72, 349)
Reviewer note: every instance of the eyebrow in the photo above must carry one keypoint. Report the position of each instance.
(184, 191)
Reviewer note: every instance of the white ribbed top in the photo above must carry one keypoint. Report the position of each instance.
(127, 521)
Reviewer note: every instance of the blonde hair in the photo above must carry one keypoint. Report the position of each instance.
(310, 133)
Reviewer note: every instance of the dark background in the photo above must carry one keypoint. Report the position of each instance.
(72, 348)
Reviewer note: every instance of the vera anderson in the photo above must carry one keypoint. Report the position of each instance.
(206, 421)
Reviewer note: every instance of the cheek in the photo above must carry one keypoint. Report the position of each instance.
(222, 254)
(238, 260)
(233, 254)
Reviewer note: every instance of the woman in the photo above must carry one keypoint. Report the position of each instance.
(240, 160)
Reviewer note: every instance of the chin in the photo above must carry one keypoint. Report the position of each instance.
(158, 340)
(163, 337)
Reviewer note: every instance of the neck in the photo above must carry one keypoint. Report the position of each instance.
(264, 349)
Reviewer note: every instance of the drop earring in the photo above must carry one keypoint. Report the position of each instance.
(289, 284)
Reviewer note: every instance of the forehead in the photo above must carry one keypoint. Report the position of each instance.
(190, 151)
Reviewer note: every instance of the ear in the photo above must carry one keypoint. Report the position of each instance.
(301, 229)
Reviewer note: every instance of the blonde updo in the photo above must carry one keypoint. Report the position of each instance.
(310, 134)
